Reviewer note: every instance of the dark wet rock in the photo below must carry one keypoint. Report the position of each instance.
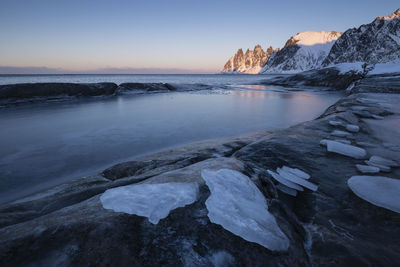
(32, 90)
(148, 87)
(327, 77)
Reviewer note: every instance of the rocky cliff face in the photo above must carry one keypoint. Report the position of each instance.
(377, 42)
(304, 51)
(249, 62)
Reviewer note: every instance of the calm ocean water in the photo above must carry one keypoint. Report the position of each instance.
(211, 79)
(45, 144)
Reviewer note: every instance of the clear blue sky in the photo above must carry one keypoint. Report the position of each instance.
(189, 35)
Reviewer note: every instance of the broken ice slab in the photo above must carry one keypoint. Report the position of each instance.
(367, 168)
(336, 123)
(341, 133)
(352, 128)
(381, 167)
(323, 142)
(284, 181)
(287, 190)
(377, 117)
(383, 161)
(346, 150)
(297, 172)
(377, 190)
(295, 179)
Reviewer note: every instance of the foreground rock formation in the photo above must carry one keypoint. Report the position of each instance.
(77, 224)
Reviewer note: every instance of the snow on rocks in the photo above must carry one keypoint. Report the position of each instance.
(367, 168)
(297, 180)
(381, 167)
(340, 133)
(382, 161)
(378, 190)
(238, 206)
(346, 150)
(153, 201)
(352, 128)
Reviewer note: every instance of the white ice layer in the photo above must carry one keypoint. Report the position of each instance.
(340, 133)
(297, 172)
(378, 190)
(286, 190)
(295, 179)
(381, 167)
(352, 128)
(347, 150)
(153, 201)
(284, 181)
(367, 168)
(383, 161)
(237, 205)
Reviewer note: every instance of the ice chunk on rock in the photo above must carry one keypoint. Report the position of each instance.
(340, 133)
(297, 180)
(237, 205)
(352, 128)
(367, 168)
(287, 190)
(378, 190)
(284, 181)
(382, 161)
(346, 150)
(297, 172)
(336, 123)
(381, 167)
(324, 142)
(153, 201)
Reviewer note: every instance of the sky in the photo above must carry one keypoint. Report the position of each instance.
(160, 36)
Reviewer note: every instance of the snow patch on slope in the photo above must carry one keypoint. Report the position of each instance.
(237, 205)
(304, 51)
(153, 201)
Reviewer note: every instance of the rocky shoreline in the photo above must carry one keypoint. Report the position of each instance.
(69, 225)
(13, 94)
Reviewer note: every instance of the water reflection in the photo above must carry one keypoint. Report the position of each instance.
(43, 145)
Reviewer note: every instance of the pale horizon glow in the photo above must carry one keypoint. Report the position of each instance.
(160, 36)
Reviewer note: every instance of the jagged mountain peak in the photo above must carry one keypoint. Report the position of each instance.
(394, 15)
(249, 62)
(376, 42)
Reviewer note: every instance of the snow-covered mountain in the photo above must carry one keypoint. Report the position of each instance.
(304, 51)
(377, 42)
(250, 62)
